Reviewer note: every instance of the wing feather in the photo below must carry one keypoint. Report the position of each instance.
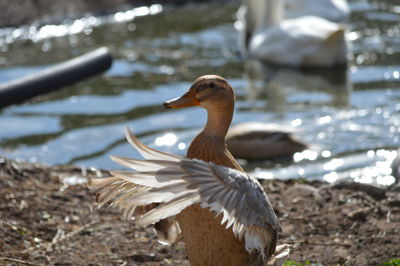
(169, 209)
(147, 152)
(138, 165)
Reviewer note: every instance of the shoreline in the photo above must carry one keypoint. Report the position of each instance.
(47, 220)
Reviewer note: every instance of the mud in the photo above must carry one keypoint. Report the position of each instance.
(47, 220)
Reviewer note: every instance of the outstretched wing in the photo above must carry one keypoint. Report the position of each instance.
(174, 183)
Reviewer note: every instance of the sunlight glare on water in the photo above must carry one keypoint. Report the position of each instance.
(349, 118)
(37, 34)
(168, 139)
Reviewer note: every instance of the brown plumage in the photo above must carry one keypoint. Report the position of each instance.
(200, 227)
(259, 141)
(224, 214)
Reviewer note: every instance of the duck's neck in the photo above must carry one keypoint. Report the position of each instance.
(210, 145)
(218, 122)
(271, 12)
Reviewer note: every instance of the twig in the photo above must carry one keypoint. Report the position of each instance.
(70, 234)
(302, 217)
(14, 226)
(18, 261)
(57, 240)
(320, 243)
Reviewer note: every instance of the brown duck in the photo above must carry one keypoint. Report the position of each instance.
(259, 141)
(223, 213)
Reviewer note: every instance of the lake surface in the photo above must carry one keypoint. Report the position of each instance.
(350, 118)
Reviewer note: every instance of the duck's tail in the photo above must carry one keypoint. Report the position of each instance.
(272, 255)
(280, 256)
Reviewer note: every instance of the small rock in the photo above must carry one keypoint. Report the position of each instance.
(393, 199)
(373, 191)
(144, 257)
(300, 191)
(359, 214)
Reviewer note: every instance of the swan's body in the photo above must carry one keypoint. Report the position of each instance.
(224, 214)
(257, 141)
(332, 10)
(301, 41)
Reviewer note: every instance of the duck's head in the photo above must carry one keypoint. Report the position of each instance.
(210, 92)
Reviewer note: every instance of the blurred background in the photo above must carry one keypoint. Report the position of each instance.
(349, 116)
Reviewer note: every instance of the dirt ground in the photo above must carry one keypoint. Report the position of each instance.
(45, 221)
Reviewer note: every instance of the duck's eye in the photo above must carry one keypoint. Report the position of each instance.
(211, 85)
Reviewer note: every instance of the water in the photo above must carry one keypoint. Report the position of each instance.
(350, 118)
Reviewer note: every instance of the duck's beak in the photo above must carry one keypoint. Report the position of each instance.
(186, 100)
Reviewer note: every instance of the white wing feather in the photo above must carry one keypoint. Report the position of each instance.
(147, 152)
(175, 183)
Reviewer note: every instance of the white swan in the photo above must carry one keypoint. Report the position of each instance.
(305, 41)
(332, 10)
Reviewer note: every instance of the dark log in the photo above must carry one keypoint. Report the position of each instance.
(55, 77)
